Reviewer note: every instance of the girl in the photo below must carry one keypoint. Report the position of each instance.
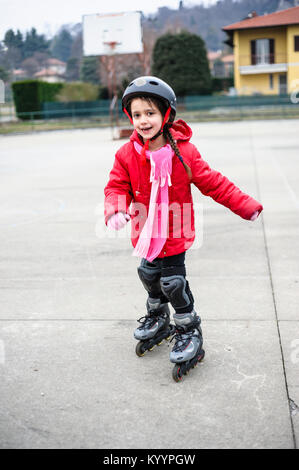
(154, 171)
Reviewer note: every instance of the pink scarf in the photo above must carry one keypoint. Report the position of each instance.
(154, 233)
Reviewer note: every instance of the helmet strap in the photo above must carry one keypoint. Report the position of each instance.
(126, 112)
(166, 118)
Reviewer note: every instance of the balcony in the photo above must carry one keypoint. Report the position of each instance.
(262, 63)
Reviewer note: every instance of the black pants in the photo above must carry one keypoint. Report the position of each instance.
(165, 267)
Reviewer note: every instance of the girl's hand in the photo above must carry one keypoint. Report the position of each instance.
(118, 220)
(255, 215)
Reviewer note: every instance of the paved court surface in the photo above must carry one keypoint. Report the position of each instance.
(70, 297)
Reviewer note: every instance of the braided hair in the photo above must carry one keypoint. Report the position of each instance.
(167, 134)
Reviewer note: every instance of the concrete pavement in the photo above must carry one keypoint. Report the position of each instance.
(70, 297)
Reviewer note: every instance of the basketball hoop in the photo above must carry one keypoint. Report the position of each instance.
(112, 33)
(110, 46)
(107, 36)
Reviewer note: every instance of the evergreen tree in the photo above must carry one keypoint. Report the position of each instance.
(73, 69)
(15, 48)
(13, 40)
(90, 70)
(61, 45)
(19, 40)
(9, 38)
(181, 60)
(19, 48)
(4, 74)
(34, 43)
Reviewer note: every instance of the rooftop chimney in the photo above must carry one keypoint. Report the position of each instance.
(252, 14)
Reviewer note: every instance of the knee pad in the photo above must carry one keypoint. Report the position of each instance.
(176, 289)
(149, 274)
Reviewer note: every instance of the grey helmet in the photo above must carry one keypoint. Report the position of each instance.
(150, 86)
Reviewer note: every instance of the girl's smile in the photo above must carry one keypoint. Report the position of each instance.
(147, 120)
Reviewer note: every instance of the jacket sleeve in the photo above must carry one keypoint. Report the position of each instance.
(118, 191)
(212, 183)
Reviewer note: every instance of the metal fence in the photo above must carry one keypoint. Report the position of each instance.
(209, 102)
(77, 109)
(197, 107)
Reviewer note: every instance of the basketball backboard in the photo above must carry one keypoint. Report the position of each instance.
(122, 30)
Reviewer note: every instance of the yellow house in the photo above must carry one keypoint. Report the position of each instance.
(266, 50)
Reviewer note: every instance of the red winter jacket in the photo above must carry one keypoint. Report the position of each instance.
(129, 184)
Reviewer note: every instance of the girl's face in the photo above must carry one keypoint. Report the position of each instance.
(147, 119)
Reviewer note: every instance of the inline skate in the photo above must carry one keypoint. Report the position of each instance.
(154, 327)
(187, 351)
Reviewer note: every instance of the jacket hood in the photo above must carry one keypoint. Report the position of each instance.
(179, 129)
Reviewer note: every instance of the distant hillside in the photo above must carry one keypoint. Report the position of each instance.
(208, 21)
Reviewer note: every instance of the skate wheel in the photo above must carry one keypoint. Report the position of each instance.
(198, 359)
(201, 356)
(140, 351)
(176, 373)
(159, 344)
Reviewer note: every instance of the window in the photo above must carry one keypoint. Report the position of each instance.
(271, 81)
(262, 51)
(296, 43)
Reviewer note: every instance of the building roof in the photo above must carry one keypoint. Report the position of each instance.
(17, 72)
(228, 58)
(53, 61)
(213, 55)
(278, 18)
(47, 73)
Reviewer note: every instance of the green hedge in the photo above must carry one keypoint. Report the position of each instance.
(29, 95)
(222, 84)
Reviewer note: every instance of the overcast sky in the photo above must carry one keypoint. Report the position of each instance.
(48, 16)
